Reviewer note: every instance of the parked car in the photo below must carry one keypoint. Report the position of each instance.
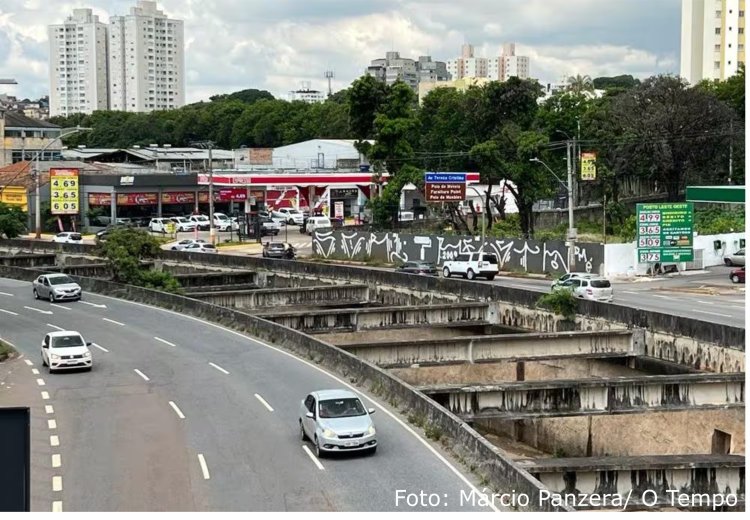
(418, 268)
(159, 224)
(201, 248)
(315, 223)
(269, 226)
(337, 421)
(564, 278)
(56, 287)
(183, 224)
(223, 223)
(68, 237)
(737, 259)
(472, 265)
(599, 289)
(65, 350)
(182, 244)
(274, 250)
(737, 275)
(101, 235)
(201, 221)
(289, 216)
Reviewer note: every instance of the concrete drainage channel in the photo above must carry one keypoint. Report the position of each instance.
(548, 396)
(489, 463)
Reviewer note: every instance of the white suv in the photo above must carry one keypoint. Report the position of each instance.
(65, 349)
(224, 223)
(159, 225)
(471, 265)
(289, 215)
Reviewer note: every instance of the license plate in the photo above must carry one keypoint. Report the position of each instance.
(351, 443)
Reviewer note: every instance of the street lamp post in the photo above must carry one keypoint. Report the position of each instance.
(571, 225)
(38, 204)
(211, 228)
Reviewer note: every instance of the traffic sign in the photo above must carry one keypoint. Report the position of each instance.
(444, 187)
(445, 177)
(665, 232)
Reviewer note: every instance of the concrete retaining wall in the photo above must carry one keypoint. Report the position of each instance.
(208, 279)
(328, 295)
(490, 462)
(24, 260)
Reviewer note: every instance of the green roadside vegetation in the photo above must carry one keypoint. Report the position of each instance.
(6, 351)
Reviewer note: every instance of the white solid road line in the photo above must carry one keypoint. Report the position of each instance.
(263, 402)
(663, 297)
(165, 342)
(628, 292)
(61, 306)
(144, 376)
(48, 408)
(35, 371)
(29, 362)
(51, 424)
(40, 382)
(217, 367)
(176, 410)
(56, 463)
(204, 467)
(93, 304)
(6, 294)
(9, 312)
(99, 347)
(56, 483)
(313, 457)
(113, 321)
(57, 506)
(54, 440)
(387, 412)
(712, 313)
(37, 310)
(705, 303)
(55, 327)
(45, 396)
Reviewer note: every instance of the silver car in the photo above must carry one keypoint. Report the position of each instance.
(337, 421)
(56, 287)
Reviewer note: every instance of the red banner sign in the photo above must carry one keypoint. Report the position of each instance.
(137, 199)
(232, 194)
(100, 199)
(178, 197)
(259, 195)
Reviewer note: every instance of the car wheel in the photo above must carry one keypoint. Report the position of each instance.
(51, 297)
(470, 274)
(727, 262)
(318, 451)
(491, 277)
(302, 433)
(446, 272)
(36, 295)
(735, 278)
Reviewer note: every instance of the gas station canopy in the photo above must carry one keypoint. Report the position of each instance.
(720, 194)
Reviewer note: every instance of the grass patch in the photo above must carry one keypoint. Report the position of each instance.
(6, 351)
(417, 419)
(433, 432)
(560, 302)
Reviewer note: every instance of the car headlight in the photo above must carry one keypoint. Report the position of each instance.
(87, 354)
(327, 432)
(54, 357)
(371, 430)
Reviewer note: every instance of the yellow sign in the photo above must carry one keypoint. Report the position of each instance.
(14, 196)
(588, 166)
(64, 191)
(171, 228)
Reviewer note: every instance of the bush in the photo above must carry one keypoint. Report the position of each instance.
(561, 301)
(160, 280)
(716, 220)
(12, 221)
(6, 351)
(509, 227)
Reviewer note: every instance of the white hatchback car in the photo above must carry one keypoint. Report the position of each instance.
(337, 421)
(68, 238)
(66, 350)
(599, 289)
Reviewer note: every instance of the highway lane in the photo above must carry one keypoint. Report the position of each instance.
(120, 432)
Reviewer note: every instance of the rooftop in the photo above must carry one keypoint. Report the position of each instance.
(18, 120)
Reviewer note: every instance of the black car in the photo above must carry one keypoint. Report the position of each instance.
(418, 268)
(274, 250)
(101, 236)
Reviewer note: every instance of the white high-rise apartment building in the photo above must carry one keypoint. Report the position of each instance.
(78, 65)
(501, 68)
(713, 39)
(146, 60)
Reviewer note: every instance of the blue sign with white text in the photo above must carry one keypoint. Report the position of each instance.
(444, 177)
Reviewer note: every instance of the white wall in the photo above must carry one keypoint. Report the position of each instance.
(620, 259)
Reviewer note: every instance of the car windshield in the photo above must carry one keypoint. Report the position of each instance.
(600, 284)
(200, 217)
(59, 280)
(348, 407)
(294, 212)
(74, 340)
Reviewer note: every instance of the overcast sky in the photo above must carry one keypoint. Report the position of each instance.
(275, 44)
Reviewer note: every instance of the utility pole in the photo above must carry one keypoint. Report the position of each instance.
(731, 143)
(571, 229)
(211, 228)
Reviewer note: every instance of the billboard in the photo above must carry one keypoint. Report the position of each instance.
(137, 199)
(588, 166)
(178, 197)
(64, 191)
(665, 232)
(100, 199)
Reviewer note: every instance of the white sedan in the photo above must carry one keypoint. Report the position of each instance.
(182, 244)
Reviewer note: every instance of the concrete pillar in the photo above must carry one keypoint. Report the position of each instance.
(158, 203)
(113, 208)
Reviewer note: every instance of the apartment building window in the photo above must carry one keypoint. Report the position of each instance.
(717, 47)
(717, 30)
(740, 47)
(741, 30)
(717, 65)
(742, 14)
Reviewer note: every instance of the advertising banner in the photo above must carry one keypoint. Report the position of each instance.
(178, 197)
(233, 194)
(338, 209)
(64, 191)
(100, 199)
(137, 199)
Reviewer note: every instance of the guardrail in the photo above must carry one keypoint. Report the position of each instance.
(489, 462)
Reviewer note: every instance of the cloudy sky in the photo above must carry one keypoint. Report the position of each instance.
(276, 44)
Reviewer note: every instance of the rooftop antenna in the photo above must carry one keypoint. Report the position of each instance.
(329, 76)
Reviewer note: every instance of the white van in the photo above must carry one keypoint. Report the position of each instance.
(316, 223)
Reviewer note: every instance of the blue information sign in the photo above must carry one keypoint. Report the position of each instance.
(444, 177)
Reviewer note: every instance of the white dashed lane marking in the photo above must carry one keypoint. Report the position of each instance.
(61, 306)
(56, 462)
(29, 362)
(204, 467)
(217, 367)
(176, 410)
(51, 424)
(56, 483)
(99, 347)
(45, 396)
(55, 327)
(263, 402)
(54, 440)
(115, 322)
(57, 506)
(144, 376)
(40, 382)
(9, 312)
(165, 342)
(48, 408)
(313, 457)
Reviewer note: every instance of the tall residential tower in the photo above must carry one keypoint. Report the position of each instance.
(78, 65)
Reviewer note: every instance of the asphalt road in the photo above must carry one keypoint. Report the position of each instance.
(683, 295)
(175, 416)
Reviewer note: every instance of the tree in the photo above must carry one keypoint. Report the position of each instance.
(366, 95)
(12, 221)
(622, 82)
(579, 84)
(396, 129)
